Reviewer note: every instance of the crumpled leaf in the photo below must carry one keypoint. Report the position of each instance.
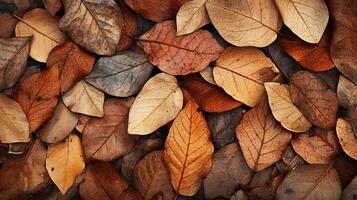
(347, 137)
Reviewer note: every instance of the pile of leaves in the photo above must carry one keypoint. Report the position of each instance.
(178, 99)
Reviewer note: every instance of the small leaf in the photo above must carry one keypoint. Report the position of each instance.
(347, 137)
(53, 6)
(130, 28)
(207, 74)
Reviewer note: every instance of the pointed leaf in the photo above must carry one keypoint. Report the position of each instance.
(347, 137)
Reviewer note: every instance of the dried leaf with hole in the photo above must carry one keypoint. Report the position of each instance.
(85, 99)
(38, 96)
(261, 137)
(188, 150)
(242, 72)
(191, 16)
(319, 146)
(307, 19)
(53, 6)
(350, 191)
(13, 58)
(179, 55)
(121, 75)
(94, 25)
(151, 177)
(311, 182)
(158, 102)
(347, 137)
(347, 96)
(255, 23)
(130, 28)
(65, 162)
(73, 63)
(283, 108)
(14, 125)
(314, 98)
(40, 24)
(102, 181)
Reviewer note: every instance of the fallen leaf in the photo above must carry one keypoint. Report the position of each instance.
(121, 75)
(261, 137)
(256, 23)
(151, 177)
(13, 58)
(346, 137)
(289, 161)
(346, 168)
(59, 126)
(158, 102)
(347, 96)
(350, 192)
(210, 98)
(315, 100)
(188, 150)
(130, 194)
(7, 24)
(38, 96)
(102, 181)
(107, 138)
(40, 24)
(82, 122)
(130, 28)
(207, 74)
(73, 63)
(191, 16)
(85, 99)
(53, 6)
(242, 72)
(65, 162)
(316, 182)
(229, 170)
(263, 177)
(283, 108)
(179, 55)
(239, 195)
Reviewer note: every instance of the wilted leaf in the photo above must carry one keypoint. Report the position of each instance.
(86, 99)
(38, 96)
(65, 162)
(207, 74)
(107, 138)
(179, 55)
(311, 182)
(347, 96)
(121, 75)
(245, 23)
(158, 102)
(346, 137)
(261, 137)
(188, 150)
(102, 181)
(241, 72)
(53, 6)
(13, 58)
(229, 170)
(40, 24)
(151, 177)
(350, 192)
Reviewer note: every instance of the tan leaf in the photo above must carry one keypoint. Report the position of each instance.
(256, 23)
(53, 6)
(314, 99)
(283, 108)
(40, 24)
(38, 96)
(13, 58)
(86, 99)
(242, 72)
(261, 137)
(188, 150)
(158, 102)
(82, 122)
(179, 55)
(347, 137)
(94, 25)
(191, 16)
(207, 74)
(317, 147)
(307, 19)
(65, 162)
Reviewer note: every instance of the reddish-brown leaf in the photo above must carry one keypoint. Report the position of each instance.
(130, 194)
(130, 27)
(53, 6)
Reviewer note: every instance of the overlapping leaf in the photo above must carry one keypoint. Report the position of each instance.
(347, 137)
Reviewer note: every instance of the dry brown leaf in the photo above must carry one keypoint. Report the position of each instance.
(319, 146)
(346, 168)
(315, 100)
(283, 108)
(53, 6)
(239, 195)
(261, 137)
(289, 161)
(7, 24)
(347, 137)
(307, 19)
(65, 162)
(191, 16)
(158, 102)
(73, 63)
(94, 25)
(179, 55)
(85, 99)
(350, 192)
(241, 72)
(130, 28)
(82, 122)
(38, 96)
(256, 23)
(107, 138)
(131, 194)
(151, 177)
(40, 24)
(188, 150)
